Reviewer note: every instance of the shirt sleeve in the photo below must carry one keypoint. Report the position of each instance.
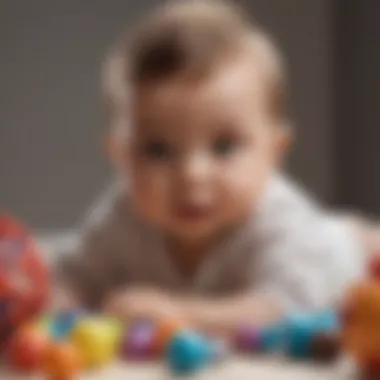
(308, 258)
(88, 267)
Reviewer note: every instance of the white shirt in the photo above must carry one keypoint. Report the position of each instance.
(290, 249)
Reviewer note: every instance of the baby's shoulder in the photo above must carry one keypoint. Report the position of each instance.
(285, 197)
(110, 214)
(286, 209)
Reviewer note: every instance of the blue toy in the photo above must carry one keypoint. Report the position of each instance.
(63, 322)
(188, 352)
(300, 335)
(271, 338)
(302, 329)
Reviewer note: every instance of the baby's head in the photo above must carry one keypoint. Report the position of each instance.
(198, 121)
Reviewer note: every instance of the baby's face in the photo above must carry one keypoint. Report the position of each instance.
(201, 153)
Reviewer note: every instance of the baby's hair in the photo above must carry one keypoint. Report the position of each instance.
(189, 38)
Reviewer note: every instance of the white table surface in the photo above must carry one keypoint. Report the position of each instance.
(232, 369)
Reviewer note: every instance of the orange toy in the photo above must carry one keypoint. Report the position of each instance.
(165, 329)
(27, 348)
(24, 280)
(61, 361)
(361, 322)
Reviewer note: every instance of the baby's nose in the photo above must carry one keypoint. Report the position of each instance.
(195, 169)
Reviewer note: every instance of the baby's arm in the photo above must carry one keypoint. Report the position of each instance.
(224, 315)
(214, 315)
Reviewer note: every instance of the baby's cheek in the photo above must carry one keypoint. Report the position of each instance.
(150, 194)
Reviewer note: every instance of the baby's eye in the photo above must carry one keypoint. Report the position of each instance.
(157, 150)
(224, 145)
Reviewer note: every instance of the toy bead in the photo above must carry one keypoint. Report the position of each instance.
(300, 331)
(63, 323)
(325, 347)
(247, 338)
(187, 352)
(138, 340)
(303, 329)
(61, 361)
(327, 320)
(165, 329)
(24, 277)
(26, 348)
(360, 333)
(271, 338)
(44, 322)
(97, 339)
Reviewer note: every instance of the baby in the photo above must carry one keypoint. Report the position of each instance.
(201, 222)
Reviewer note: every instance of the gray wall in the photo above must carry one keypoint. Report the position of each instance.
(51, 122)
(358, 81)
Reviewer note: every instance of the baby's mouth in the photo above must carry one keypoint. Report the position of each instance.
(192, 212)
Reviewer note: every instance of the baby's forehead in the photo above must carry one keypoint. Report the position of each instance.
(238, 78)
(251, 74)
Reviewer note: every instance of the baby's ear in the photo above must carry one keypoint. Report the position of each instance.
(115, 147)
(284, 137)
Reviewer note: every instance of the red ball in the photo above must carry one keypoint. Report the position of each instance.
(24, 278)
(27, 348)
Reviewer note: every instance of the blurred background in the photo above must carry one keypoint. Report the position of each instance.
(52, 122)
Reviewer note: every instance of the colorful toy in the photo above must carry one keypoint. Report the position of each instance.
(82, 340)
(62, 324)
(165, 329)
(24, 280)
(360, 318)
(44, 322)
(303, 330)
(138, 341)
(271, 338)
(247, 338)
(187, 352)
(300, 336)
(61, 360)
(97, 339)
(325, 346)
(26, 348)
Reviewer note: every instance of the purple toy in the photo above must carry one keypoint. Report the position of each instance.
(247, 338)
(138, 341)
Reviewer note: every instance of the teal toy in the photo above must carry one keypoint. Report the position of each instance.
(303, 329)
(63, 322)
(188, 352)
(327, 320)
(271, 338)
(299, 333)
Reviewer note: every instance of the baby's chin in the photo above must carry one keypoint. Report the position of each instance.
(197, 231)
(193, 233)
(186, 230)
